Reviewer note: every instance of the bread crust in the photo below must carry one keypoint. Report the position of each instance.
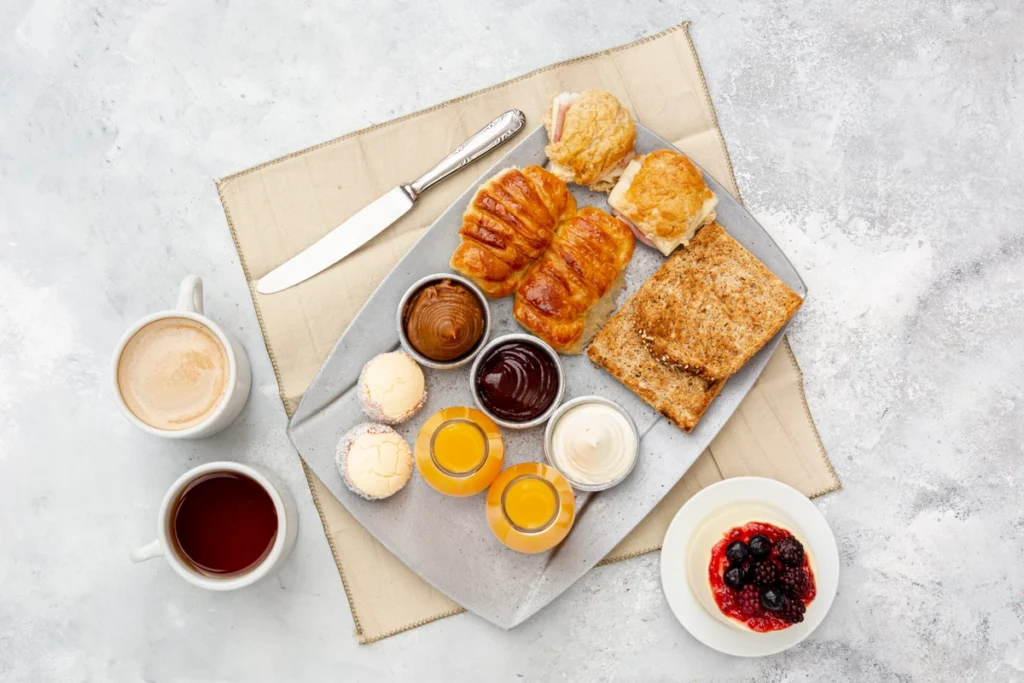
(509, 223)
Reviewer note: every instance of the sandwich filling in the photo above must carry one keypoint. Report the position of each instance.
(559, 106)
(610, 176)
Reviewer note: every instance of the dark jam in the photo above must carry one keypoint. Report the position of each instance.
(726, 597)
(517, 381)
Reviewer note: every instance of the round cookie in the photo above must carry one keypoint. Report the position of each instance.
(391, 388)
(374, 461)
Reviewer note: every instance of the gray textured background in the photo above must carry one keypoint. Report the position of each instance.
(879, 142)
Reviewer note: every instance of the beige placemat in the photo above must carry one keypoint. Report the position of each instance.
(276, 209)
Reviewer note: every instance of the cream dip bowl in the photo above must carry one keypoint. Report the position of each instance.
(549, 447)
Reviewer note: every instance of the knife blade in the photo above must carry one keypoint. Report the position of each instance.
(371, 220)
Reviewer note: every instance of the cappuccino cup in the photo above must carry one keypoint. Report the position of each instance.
(177, 374)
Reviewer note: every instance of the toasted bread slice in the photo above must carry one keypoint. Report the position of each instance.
(712, 306)
(678, 395)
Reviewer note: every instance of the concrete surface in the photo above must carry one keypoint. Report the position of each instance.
(880, 142)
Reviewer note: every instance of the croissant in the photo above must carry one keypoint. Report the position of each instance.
(510, 221)
(570, 292)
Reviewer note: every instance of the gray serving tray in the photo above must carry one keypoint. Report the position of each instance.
(446, 540)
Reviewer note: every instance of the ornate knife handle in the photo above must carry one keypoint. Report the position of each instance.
(487, 138)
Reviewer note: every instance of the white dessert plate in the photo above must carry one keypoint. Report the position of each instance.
(807, 523)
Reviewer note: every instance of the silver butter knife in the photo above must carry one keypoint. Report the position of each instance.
(385, 210)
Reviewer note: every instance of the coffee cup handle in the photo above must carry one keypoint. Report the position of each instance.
(190, 295)
(146, 552)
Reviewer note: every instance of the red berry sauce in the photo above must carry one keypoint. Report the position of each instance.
(726, 597)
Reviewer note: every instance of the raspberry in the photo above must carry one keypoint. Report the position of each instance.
(792, 611)
(790, 551)
(795, 581)
(749, 601)
(764, 573)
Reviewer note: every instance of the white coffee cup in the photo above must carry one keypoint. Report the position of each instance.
(287, 529)
(236, 392)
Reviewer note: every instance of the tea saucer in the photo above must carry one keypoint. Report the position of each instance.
(809, 524)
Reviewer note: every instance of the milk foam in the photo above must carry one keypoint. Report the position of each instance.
(173, 373)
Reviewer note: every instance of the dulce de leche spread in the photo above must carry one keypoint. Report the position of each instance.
(444, 321)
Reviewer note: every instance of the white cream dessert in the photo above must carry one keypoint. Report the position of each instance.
(374, 461)
(593, 444)
(713, 530)
(392, 388)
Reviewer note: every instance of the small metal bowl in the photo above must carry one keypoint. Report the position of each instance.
(543, 346)
(400, 318)
(550, 430)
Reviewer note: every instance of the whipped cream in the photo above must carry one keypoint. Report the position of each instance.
(593, 444)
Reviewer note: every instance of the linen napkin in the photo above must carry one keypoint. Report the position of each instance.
(278, 208)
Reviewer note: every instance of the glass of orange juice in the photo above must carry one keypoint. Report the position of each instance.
(459, 451)
(531, 507)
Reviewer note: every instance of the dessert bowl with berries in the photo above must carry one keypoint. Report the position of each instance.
(750, 566)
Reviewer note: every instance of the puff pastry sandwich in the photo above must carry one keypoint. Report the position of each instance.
(570, 292)
(664, 198)
(590, 138)
(510, 221)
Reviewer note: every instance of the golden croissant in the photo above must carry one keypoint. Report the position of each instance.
(510, 222)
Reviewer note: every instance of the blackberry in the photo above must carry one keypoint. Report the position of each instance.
(749, 601)
(772, 598)
(735, 577)
(737, 552)
(792, 611)
(790, 551)
(760, 547)
(764, 573)
(795, 582)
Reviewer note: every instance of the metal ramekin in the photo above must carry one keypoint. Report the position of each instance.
(400, 315)
(550, 430)
(543, 346)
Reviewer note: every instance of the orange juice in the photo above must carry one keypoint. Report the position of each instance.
(530, 502)
(460, 446)
(531, 507)
(459, 451)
